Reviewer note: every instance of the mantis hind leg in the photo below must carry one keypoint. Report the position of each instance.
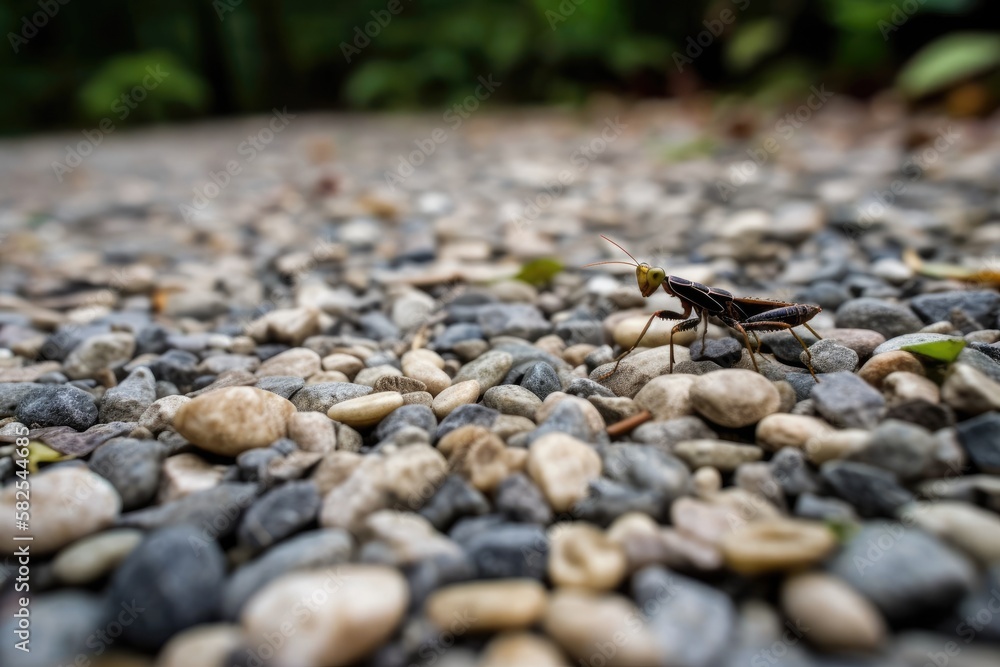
(774, 326)
(662, 314)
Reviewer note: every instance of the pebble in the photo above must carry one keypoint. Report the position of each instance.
(54, 405)
(187, 473)
(881, 366)
(467, 415)
(296, 362)
(902, 340)
(508, 550)
(215, 510)
(839, 619)
(481, 457)
(362, 608)
(902, 386)
(541, 380)
(907, 573)
(98, 352)
(488, 606)
(518, 499)
(627, 330)
(734, 397)
(847, 401)
(454, 499)
(637, 369)
(723, 456)
(426, 367)
(829, 357)
(672, 431)
(887, 318)
(290, 326)
(323, 396)
(777, 545)
(488, 370)
(970, 391)
(582, 622)
(723, 351)
(132, 467)
(971, 529)
(522, 648)
(191, 595)
(67, 503)
(92, 558)
(408, 537)
(232, 420)
(693, 622)
(513, 319)
(313, 432)
(461, 393)
(792, 472)
(366, 411)
(905, 449)
(667, 397)
(833, 445)
(62, 622)
(282, 385)
(313, 549)
(874, 492)
(862, 341)
(979, 439)
(983, 306)
(127, 401)
(402, 384)
(210, 644)
(512, 399)
(562, 466)
(277, 514)
(581, 555)
(160, 414)
(780, 430)
(11, 395)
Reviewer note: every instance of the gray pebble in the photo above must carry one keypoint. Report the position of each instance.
(127, 401)
(847, 401)
(133, 468)
(886, 317)
(541, 380)
(281, 512)
(51, 405)
(979, 437)
(830, 357)
(322, 396)
(874, 492)
(454, 499)
(519, 500)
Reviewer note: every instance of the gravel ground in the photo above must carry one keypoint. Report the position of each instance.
(290, 404)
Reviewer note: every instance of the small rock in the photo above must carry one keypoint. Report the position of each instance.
(453, 500)
(881, 366)
(667, 397)
(509, 550)
(159, 416)
(210, 644)
(723, 351)
(426, 367)
(873, 491)
(979, 438)
(55, 405)
(93, 557)
(313, 432)
(467, 415)
(132, 467)
(638, 369)
(520, 320)
(461, 393)
(830, 357)
(833, 445)
(900, 447)
(366, 411)
(277, 514)
(887, 318)
(323, 396)
(902, 386)
(723, 456)
(982, 306)
(408, 537)
(562, 466)
(777, 545)
(582, 622)
(488, 370)
(129, 400)
(901, 340)
(234, 419)
(518, 499)
(67, 503)
(488, 606)
(362, 608)
(184, 474)
(522, 648)
(282, 385)
(402, 384)
(734, 397)
(290, 326)
(99, 352)
(582, 556)
(971, 529)
(190, 596)
(296, 362)
(970, 391)
(512, 399)
(215, 511)
(847, 401)
(541, 380)
(780, 430)
(906, 573)
(838, 618)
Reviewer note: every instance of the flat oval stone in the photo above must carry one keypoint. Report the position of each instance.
(457, 394)
(777, 545)
(583, 556)
(367, 410)
(838, 617)
(232, 420)
(734, 397)
(488, 606)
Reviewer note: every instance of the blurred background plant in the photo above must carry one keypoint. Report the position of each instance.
(229, 57)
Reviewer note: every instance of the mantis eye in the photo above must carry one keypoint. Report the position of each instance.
(657, 275)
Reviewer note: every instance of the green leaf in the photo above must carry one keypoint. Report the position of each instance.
(539, 271)
(39, 452)
(842, 529)
(751, 42)
(947, 61)
(941, 350)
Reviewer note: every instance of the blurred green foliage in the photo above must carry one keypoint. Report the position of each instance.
(66, 64)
